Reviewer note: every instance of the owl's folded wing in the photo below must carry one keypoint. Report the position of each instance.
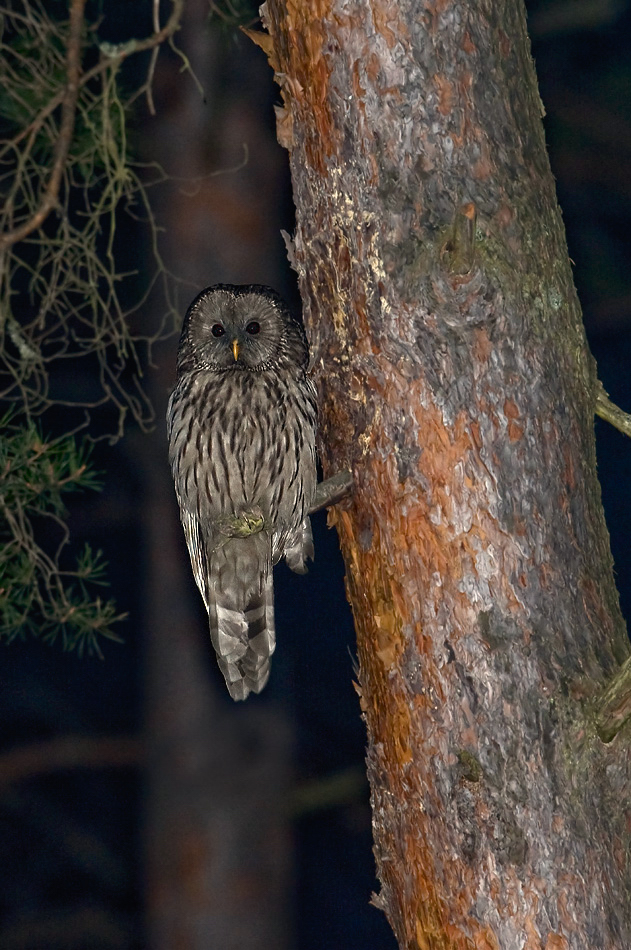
(197, 551)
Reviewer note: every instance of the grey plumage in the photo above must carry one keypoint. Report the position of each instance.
(241, 424)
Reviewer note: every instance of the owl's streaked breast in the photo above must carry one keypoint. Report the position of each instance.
(246, 445)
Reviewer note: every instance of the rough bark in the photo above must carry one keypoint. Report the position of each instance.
(456, 384)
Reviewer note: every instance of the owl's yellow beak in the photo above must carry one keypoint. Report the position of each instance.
(235, 349)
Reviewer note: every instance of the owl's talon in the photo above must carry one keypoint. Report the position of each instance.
(243, 525)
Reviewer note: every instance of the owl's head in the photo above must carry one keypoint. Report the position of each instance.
(229, 327)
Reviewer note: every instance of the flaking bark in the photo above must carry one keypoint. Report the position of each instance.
(455, 383)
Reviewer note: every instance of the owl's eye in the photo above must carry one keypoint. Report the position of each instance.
(253, 328)
(217, 330)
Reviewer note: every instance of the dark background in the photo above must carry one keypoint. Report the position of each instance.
(72, 842)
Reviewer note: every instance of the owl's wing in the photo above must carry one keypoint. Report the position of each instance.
(197, 552)
(298, 547)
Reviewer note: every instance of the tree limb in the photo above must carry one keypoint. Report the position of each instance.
(69, 752)
(608, 411)
(329, 791)
(332, 491)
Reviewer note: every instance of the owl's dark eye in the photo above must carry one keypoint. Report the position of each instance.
(217, 330)
(253, 328)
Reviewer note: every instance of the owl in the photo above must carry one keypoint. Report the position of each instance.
(241, 423)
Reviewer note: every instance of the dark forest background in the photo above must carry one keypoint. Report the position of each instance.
(83, 825)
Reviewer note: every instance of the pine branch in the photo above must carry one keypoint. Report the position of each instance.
(62, 147)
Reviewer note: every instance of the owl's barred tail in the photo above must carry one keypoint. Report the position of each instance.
(241, 613)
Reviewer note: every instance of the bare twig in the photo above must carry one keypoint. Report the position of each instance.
(154, 58)
(156, 39)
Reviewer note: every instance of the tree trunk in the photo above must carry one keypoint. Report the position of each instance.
(456, 383)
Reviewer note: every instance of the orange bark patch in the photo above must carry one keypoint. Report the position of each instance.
(386, 645)
(373, 67)
(515, 431)
(468, 45)
(510, 409)
(446, 94)
(568, 474)
(384, 13)
(533, 937)
(482, 346)
(265, 42)
(303, 73)
(504, 216)
(556, 942)
(401, 736)
(482, 169)
(486, 940)
(505, 43)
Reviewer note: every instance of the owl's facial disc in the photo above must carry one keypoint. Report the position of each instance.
(243, 332)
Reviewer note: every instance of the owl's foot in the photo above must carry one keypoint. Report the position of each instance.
(243, 525)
